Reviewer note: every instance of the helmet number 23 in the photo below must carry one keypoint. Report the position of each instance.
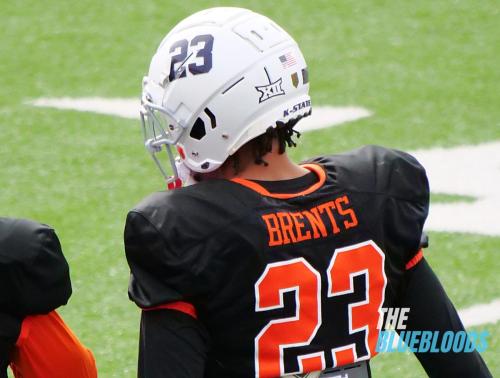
(202, 46)
(298, 276)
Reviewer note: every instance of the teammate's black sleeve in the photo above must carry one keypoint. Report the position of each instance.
(432, 310)
(172, 344)
(34, 275)
(10, 327)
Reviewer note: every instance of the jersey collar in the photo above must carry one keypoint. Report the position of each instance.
(317, 169)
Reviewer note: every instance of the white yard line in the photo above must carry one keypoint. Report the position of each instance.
(470, 171)
(481, 314)
(327, 116)
(322, 116)
(121, 107)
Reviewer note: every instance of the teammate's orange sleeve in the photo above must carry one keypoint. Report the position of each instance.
(47, 348)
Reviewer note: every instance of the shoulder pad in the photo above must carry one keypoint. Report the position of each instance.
(376, 169)
(34, 275)
(197, 211)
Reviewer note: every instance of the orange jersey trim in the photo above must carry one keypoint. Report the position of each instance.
(184, 307)
(415, 260)
(317, 169)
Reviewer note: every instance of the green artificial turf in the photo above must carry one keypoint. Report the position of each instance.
(427, 70)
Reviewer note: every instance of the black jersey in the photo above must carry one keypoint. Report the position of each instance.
(284, 283)
(34, 277)
(34, 274)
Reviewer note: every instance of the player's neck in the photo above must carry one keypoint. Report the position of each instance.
(278, 167)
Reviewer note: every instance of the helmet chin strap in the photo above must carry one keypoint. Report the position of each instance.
(176, 184)
(182, 175)
(185, 174)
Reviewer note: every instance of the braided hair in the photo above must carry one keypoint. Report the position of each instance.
(263, 144)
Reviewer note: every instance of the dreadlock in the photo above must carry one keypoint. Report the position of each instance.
(263, 144)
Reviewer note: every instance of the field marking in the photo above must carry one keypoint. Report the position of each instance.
(322, 116)
(327, 116)
(481, 314)
(470, 171)
(464, 170)
(121, 107)
(476, 315)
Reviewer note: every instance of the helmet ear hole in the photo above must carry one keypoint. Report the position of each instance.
(198, 130)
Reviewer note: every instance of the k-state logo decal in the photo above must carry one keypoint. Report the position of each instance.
(270, 90)
(296, 108)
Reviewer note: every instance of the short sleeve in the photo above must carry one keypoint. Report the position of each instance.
(407, 205)
(160, 265)
(34, 275)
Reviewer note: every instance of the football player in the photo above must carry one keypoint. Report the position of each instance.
(34, 281)
(264, 267)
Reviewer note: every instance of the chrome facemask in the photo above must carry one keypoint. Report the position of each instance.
(160, 128)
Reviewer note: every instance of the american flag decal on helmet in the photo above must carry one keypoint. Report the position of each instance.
(287, 60)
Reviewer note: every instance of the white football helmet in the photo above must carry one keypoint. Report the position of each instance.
(220, 78)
